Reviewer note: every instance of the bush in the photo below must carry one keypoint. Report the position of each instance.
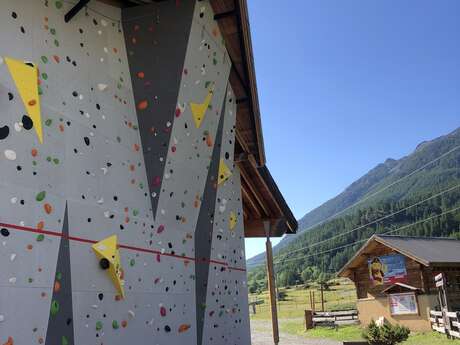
(386, 334)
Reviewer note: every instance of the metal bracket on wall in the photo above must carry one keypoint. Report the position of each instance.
(74, 10)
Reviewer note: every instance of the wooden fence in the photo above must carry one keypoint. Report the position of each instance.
(448, 324)
(332, 319)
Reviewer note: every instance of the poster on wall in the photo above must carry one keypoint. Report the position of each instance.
(388, 269)
(403, 303)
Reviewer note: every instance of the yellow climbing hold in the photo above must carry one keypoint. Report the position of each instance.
(224, 172)
(199, 109)
(109, 258)
(232, 220)
(25, 77)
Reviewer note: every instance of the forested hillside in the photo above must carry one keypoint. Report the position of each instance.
(427, 193)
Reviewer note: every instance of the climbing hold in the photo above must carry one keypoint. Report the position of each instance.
(224, 172)
(232, 220)
(183, 328)
(54, 308)
(10, 155)
(107, 249)
(25, 76)
(199, 109)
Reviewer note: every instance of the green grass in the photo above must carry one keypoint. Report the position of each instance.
(341, 296)
(350, 333)
(343, 333)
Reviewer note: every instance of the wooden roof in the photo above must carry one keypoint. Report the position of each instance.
(262, 200)
(427, 251)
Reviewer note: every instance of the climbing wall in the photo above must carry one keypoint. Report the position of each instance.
(120, 205)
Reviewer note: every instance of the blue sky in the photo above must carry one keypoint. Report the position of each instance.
(343, 85)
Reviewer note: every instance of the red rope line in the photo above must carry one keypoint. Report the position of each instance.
(123, 246)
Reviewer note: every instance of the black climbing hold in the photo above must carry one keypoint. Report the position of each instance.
(104, 263)
(5, 232)
(4, 132)
(27, 122)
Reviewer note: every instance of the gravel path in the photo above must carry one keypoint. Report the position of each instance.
(261, 335)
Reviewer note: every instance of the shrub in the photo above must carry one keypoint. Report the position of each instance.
(386, 334)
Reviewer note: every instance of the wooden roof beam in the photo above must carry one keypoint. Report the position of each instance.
(253, 190)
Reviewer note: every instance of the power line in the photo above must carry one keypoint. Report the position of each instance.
(384, 188)
(366, 239)
(370, 223)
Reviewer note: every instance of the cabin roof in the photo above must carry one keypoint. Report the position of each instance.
(427, 251)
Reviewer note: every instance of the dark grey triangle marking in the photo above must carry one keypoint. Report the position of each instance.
(60, 325)
(204, 230)
(161, 33)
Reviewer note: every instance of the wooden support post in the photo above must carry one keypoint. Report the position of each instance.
(311, 301)
(322, 297)
(308, 320)
(314, 302)
(271, 284)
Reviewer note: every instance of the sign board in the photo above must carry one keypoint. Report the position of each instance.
(403, 303)
(388, 269)
(439, 280)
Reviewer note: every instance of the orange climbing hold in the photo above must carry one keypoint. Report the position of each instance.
(34, 152)
(184, 328)
(142, 105)
(48, 208)
(57, 286)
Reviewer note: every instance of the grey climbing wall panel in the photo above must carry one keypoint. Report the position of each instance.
(130, 108)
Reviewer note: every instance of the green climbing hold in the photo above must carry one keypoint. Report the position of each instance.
(56, 161)
(132, 262)
(53, 31)
(54, 308)
(135, 212)
(48, 122)
(44, 59)
(56, 43)
(40, 196)
(58, 4)
(99, 325)
(64, 340)
(115, 324)
(40, 237)
(58, 275)
(44, 76)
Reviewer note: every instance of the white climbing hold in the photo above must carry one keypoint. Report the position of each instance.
(10, 155)
(103, 22)
(131, 313)
(17, 127)
(12, 257)
(1, 60)
(12, 280)
(94, 306)
(100, 201)
(102, 87)
(14, 200)
(2, 317)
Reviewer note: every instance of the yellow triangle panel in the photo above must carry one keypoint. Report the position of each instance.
(26, 79)
(108, 249)
(224, 172)
(232, 221)
(199, 109)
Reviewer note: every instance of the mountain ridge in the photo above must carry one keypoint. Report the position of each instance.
(376, 179)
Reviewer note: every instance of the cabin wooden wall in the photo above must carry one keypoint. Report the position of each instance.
(365, 287)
